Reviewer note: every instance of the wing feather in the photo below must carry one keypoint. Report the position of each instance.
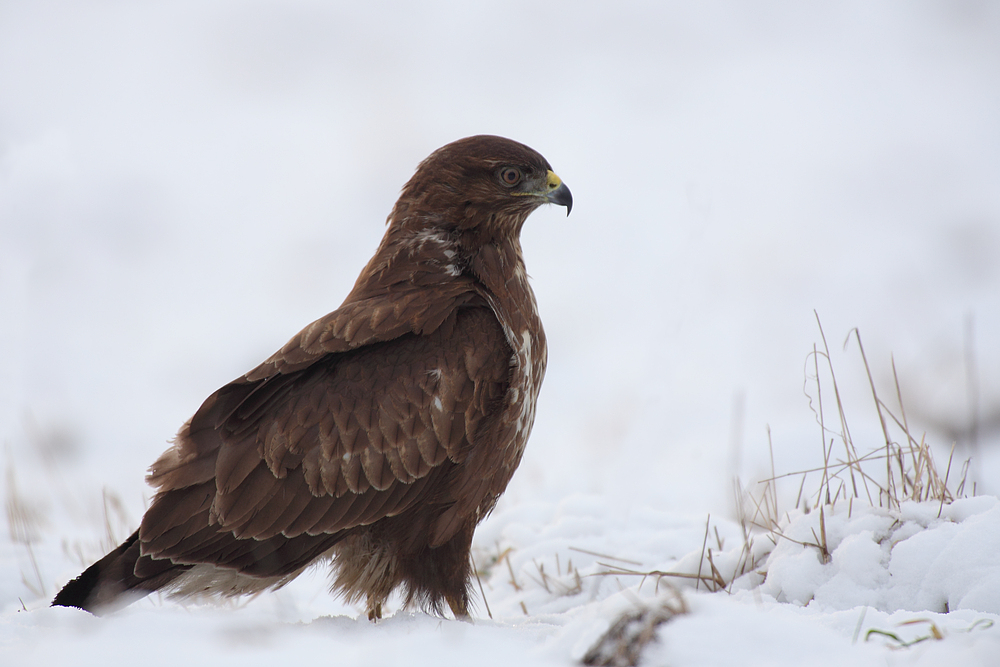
(295, 498)
(290, 492)
(237, 508)
(310, 515)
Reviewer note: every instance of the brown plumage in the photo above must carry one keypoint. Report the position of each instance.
(381, 434)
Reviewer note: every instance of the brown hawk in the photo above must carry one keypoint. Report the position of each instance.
(382, 433)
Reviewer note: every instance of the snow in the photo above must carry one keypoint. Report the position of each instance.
(908, 559)
(184, 185)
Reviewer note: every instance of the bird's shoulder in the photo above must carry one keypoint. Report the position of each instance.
(375, 318)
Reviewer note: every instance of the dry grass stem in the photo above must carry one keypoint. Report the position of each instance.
(701, 560)
(715, 582)
(510, 568)
(606, 556)
(24, 524)
(480, 582)
(845, 431)
(890, 493)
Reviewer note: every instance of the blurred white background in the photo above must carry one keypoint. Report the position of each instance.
(184, 185)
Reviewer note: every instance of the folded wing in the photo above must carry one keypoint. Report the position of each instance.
(359, 418)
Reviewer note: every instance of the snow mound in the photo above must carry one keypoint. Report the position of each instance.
(549, 558)
(923, 556)
(575, 569)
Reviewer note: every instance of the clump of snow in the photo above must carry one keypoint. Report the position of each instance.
(906, 559)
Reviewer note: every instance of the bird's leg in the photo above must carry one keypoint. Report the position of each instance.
(459, 607)
(374, 610)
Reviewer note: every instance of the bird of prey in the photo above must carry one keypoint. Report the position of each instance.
(381, 434)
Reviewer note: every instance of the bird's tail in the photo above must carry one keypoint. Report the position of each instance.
(111, 583)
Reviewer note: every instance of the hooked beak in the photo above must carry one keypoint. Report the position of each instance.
(558, 193)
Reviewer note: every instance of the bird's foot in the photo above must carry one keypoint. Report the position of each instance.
(459, 607)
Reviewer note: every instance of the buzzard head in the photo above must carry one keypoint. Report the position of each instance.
(487, 184)
(462, 211)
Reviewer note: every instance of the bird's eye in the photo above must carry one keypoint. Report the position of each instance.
(510, 175)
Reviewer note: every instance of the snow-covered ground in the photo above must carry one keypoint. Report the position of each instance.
(183, 185)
